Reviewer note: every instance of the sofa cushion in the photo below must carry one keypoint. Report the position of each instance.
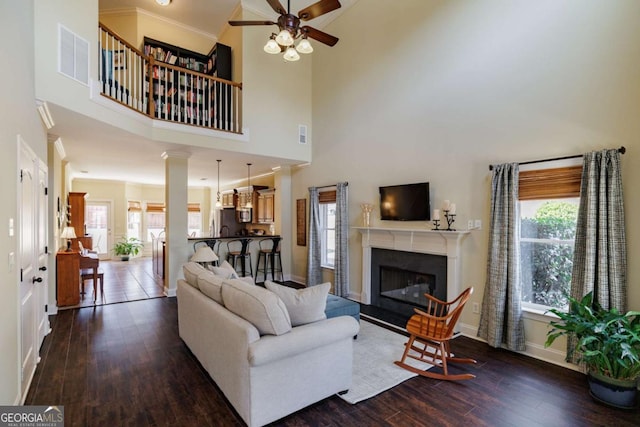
(304, 305)
(211, 285)
(191, 271)
(257, 305)
(225, 270)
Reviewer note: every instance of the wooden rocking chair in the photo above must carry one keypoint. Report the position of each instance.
(430, 334)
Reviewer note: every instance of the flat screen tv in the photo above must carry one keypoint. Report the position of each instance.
(408, 202)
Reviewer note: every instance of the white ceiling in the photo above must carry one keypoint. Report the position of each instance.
(99, 151)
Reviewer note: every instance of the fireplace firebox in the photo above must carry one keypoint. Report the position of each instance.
(400, 279)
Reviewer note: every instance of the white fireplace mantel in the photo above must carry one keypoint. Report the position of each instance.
(435, 242)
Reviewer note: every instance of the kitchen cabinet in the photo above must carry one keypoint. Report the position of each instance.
(266, 206)
(229, 199)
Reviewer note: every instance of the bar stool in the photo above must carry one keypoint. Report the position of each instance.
(271, 260)
(238, 250)
(211, 243)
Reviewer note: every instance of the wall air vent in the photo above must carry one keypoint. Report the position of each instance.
(73, 55)
(302, 134)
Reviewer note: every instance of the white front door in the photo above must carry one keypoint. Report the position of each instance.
(42, 288)
(29, 273)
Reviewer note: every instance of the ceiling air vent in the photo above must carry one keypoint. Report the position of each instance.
(302, 134)
(73, 60)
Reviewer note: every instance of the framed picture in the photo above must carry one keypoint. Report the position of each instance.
(119, 60)
(301, 222)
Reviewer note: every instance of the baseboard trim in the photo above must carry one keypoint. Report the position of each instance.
(533, 350)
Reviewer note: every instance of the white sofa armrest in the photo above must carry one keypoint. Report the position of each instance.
(302, 338)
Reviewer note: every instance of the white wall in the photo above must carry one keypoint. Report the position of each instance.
(445, 88)
(19, 117)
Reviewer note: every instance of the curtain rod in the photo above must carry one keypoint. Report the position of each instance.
(621, 150)
(332, 185)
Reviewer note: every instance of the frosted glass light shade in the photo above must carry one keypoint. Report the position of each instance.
(284, 38)
(272, 47)
(304, 46)
(163, 2)
(291, 55)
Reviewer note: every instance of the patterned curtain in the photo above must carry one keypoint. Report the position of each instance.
(341, 274)
(600, 255)
(501, 317)
(314, 270)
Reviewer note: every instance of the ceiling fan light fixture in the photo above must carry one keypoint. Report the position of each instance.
(304, 46)
(272, 46)
(163, 2)
(284, 38)
(291, 54)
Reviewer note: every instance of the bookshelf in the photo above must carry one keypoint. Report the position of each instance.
(187, 96)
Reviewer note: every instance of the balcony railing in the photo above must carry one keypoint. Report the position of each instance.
(163, 91)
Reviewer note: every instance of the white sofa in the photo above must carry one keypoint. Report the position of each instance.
(264, 377)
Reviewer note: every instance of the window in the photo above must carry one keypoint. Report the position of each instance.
(327, 200)
(549, 201)
(155, 220)
(328, 234)
(194, 220)
(134, 220)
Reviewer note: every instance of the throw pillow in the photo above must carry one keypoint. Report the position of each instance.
(191, 270)
(225, 270)
(211, 285)
(304, 305)
(255, 304)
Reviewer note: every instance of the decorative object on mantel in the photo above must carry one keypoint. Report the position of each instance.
(449, 214)
(436, 219)
(290, 29)
(367, 208)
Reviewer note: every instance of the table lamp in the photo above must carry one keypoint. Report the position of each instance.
(203, 255)
(68, 233)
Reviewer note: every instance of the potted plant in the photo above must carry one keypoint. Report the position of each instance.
(127, 247)
(608, 343)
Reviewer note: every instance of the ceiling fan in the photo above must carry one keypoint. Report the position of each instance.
(290, 28)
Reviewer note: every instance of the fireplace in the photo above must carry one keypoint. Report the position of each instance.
(444, 245)
(399, 279)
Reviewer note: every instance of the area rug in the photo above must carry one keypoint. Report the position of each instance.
(374, 352)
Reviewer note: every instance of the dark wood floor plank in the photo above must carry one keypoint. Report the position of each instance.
(125, 365)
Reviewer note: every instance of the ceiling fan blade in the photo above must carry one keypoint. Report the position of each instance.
(275, 5)
(319, 8)
(321, 36)
(239, 23)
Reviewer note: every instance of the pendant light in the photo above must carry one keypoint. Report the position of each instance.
(249, 204)
(218, 202)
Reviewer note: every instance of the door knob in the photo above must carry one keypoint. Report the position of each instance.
(43, 268)
(36, 279)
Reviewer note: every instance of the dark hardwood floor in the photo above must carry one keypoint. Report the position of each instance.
(125, 365)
